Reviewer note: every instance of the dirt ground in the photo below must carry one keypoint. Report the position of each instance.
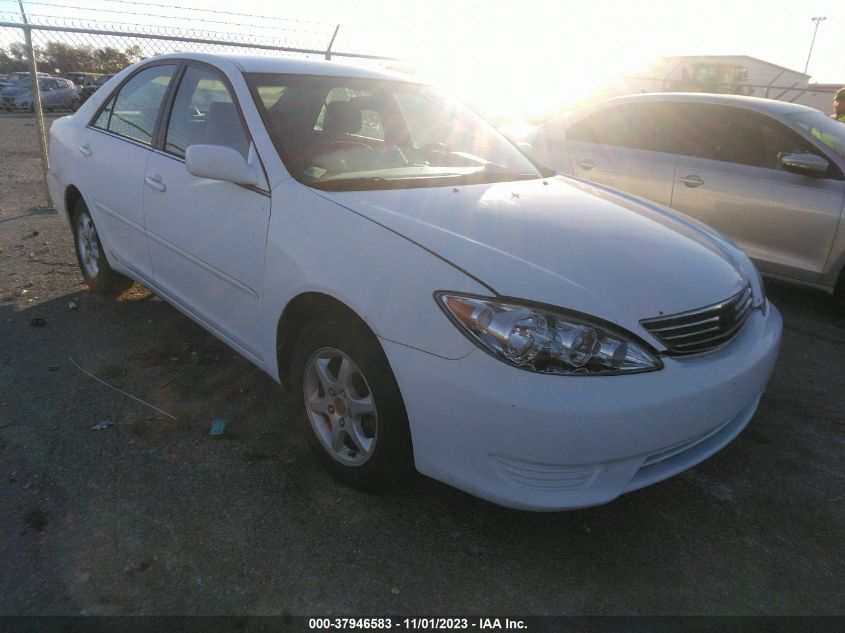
(154, 516)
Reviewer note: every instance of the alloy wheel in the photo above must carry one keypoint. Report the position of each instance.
(340, 406)
(88, 245)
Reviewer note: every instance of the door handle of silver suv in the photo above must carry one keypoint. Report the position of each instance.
(692, 181)
(85, 150)
(155, 182)
(586, 164)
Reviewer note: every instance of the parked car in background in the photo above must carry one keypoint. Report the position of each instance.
(768, 174)
(13, 79)
(80, 79)
(56, 94)
(433, 297)
(89, 89)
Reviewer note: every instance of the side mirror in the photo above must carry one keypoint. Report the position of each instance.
(218, 162)
(805, 164)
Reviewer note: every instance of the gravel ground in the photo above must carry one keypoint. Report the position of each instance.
(154, 516)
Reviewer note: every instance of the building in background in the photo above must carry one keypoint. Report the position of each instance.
(729, 74)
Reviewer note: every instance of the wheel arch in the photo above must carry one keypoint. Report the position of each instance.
(71, 197)
(297, 312)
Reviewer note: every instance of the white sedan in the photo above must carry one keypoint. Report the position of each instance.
(437, 300)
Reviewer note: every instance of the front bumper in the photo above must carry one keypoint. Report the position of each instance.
(540, 442)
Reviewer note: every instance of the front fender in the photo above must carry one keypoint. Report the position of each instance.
(315, 245)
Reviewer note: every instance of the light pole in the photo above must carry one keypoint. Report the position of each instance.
(818, 21)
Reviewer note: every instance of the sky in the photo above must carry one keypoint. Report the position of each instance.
(520, 58)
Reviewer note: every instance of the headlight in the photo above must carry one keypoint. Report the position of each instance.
(546, 340)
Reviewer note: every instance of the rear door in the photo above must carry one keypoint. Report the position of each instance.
(207, 238)
(114, 150)
(730, 178)
(625, 147)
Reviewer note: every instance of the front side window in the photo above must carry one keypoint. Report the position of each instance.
(133, 111)
(349, 133)
(829, 131)
(204, 113)
(736, 135)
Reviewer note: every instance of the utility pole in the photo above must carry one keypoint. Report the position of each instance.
(817, 20)
(36, 97)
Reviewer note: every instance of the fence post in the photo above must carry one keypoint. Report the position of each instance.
(331, 43)
(36, 98)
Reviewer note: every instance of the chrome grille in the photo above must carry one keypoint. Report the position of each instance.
(703, 329)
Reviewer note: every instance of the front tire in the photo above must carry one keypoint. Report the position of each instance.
(353, 414)
(91, 256)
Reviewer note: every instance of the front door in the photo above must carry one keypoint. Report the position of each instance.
(786, 222)
(207, 238)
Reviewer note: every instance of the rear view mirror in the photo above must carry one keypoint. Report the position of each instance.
(218, 162)
(805, 164)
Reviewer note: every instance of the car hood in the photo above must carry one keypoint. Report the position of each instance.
(15, 91)
(565, 243)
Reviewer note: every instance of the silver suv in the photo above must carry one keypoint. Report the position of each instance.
(769, 174)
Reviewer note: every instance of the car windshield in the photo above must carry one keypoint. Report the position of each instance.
(829, 131)
(341, 133)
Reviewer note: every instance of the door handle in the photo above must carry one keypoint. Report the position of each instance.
(155, 183)
(586, 164)
(692, 180)
(85, 150)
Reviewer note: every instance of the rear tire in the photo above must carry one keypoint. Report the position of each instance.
(352, 411)
(91, 256)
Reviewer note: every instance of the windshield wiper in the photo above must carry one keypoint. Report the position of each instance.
(370, 183)
(498, 173)
(342, 184)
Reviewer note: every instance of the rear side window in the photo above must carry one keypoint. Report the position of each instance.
(204, 113)
(133, 111)
(636, 126)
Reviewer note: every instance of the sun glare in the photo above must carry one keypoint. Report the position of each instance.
(526, 69)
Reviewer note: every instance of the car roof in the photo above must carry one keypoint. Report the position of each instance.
(292, 65)
(768, 106)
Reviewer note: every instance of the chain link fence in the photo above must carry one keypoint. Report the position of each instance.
(69, 58)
